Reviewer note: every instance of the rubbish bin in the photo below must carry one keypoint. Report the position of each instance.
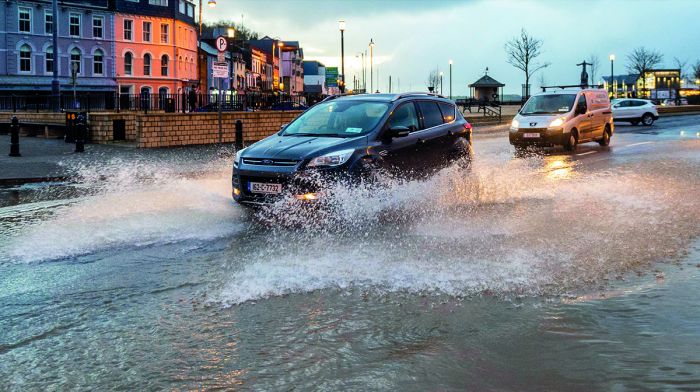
(169, 105)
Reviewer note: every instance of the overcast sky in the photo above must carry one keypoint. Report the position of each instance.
(414, 36)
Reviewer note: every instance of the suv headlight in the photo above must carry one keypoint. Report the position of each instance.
(514, 125)
(335, 158)
(557, 122)
(237, 158)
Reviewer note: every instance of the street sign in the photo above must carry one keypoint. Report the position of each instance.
(221, 57)
(221, 43)
(332, 76)
(220, 70)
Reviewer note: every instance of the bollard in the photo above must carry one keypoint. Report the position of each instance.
(239, 134)
(14, 137)
(80, 133)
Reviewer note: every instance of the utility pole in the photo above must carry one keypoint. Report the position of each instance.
(341, 26)
(371, 65)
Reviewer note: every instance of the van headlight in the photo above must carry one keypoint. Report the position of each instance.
(557, 122)
(237, 158)
(514, 125)
(335, 158)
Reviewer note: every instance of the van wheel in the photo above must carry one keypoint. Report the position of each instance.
(647, 119)
(605, 141)
(572, 141)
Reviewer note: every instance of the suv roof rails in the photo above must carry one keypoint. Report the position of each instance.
(416, 93)
(332, 97)
(580, 86)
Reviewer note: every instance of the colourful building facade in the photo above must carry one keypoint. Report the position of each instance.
(155, 46)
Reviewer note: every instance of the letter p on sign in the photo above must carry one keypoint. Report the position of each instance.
(221, 43)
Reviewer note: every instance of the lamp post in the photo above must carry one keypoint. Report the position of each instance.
(55, 84)
(371, 65)
(612, 75)
(231, 33)
(450, 79)
(362, 69)
(211, 4)
(341, 26)
(441, 75)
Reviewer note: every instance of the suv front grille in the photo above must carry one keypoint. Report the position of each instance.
(270, 162)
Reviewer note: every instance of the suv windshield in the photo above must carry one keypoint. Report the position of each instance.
(547, 104)
(338, 118)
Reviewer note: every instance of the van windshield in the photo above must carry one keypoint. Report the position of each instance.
(548, 104)
(338, 119)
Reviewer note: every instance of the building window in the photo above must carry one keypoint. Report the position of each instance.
(128, 63)
(164, 30)
(75, 59)
(25, 20)
(182, 7)
(146, 64)
(25, 58)
(48, 62)
(146, 31)
(164, 65)
(163, 3)
(97, 27)
(190, 10)
(128, 25)
(48, 22)
(98, 62)
(74, 25)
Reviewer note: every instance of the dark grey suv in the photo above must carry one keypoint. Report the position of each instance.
(348, 137)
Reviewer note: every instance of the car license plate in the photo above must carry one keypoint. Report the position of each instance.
(263, 187)
(531, 135)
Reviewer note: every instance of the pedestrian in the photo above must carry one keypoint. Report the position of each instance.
(192, 97)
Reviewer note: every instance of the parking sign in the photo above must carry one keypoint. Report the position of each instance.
(221, 43)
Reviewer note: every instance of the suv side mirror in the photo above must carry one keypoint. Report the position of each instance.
(399, 131)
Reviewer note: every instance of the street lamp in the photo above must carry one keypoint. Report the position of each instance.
(371, 65)
(362, 68)
(450, 79)
(612, 75)
(341, 26)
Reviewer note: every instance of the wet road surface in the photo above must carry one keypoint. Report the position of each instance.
(550, 271)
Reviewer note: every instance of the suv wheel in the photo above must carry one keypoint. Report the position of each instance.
(647, 119)
(605, 141)
(571, 142)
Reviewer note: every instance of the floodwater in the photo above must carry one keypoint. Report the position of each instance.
(549, 271)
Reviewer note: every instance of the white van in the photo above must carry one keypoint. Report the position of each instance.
(564, 117)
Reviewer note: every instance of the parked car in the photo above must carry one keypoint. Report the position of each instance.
(565, 117)
(289, 105)
(351, 137)
(672, 102)
(634, 111)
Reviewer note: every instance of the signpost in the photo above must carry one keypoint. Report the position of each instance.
(331, 76)
(219, 71)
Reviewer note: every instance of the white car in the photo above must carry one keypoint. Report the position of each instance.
(634, 111)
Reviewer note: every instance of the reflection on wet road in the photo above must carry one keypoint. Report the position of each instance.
(546, 271)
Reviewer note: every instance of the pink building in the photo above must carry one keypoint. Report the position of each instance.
(154, 54)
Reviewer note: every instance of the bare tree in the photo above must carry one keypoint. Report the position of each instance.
(696, 71)
(242, 32)
(681, 65)
(595, 67)
(433, 80)
(542, 80)
(641, 60)
(521, 52)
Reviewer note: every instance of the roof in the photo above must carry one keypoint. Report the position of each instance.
(626, 79)
(210, 50)
(487, 81)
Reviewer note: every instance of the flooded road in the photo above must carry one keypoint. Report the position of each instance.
(545, 271)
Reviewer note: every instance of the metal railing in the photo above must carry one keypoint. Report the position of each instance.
(92, 102)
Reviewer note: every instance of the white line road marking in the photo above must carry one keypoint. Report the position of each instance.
(586, 153)
(635, 144)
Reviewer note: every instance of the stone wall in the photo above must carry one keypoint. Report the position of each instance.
(102, 126)
(170, 129)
